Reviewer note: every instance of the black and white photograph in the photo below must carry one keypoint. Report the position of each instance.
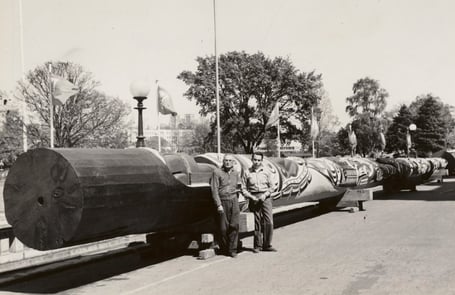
(227, 147)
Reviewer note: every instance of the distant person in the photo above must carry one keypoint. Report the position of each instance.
(226, 184)
(258, 189)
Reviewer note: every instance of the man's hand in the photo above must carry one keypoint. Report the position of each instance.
(262, 197)
(253, 198)
(220, 209)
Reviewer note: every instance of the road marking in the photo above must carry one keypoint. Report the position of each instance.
(175, 276)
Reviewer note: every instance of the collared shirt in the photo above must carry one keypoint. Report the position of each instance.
(225, 184)
(257, 181)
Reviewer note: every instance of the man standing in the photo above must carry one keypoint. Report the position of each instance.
(258, 189)
(226, 184)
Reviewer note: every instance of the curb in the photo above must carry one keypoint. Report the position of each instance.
(31, 258)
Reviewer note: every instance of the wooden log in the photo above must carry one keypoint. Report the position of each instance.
(60, 197)
(246, 222)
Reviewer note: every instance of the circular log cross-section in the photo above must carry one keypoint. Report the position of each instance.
(42, 189)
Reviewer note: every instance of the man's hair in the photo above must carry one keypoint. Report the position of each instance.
(258, 154)
(228, 155)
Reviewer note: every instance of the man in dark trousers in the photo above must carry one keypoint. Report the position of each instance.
(226, 184)
(258, 189)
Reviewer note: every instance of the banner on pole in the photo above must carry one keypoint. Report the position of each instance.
(165, 105)
(62, 90)
(274, 116)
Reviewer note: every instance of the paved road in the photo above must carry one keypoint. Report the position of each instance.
(402, 244)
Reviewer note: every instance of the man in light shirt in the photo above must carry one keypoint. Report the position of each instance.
(258, 188)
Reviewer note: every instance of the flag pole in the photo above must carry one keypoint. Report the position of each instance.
(218, 136)
(51, 106)
(278, 129)
(312, 139)
(158, 114)
(24, 105)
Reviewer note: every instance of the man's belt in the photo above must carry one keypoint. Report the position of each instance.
(228, 196)
(259, 193)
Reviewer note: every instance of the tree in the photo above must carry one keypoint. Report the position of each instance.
(329, 145)
(368, 97)
(432, 122)
(343, 142)
(250, 86)
(201, 140)
(328, 123)
(396, 133)
(366, 106)
(446, 116)
(10, 142)
(89, 118)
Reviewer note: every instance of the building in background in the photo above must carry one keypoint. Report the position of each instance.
(176, 136)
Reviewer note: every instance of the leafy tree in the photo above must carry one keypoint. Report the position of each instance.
(343, 142)
(396, 133)
(446, 116)
(326, 144)
(329, 145)
(366, 106)
(250, 86)
(89, 118)
(432, 125)
(368, 97)
(367, 129)
(201, 140)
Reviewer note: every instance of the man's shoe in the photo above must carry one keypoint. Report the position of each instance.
(270, 249)
(233, 254)
(256, 250)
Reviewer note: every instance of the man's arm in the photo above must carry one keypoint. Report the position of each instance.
(215, 184)
(245, 191)
(270, 187)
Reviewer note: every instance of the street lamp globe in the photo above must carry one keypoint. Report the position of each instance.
(140, 88)
(412, 127)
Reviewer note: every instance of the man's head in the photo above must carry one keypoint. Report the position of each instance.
(228, 161)
(257, 158)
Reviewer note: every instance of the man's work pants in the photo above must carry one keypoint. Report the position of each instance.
(263, 223)
(229, 225)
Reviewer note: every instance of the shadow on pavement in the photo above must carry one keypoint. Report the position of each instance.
(61, 276)
(433, 191)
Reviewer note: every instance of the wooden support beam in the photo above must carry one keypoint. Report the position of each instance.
(355, 198)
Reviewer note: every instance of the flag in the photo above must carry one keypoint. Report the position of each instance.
(165, 105)
(63, 89)
(352, 137)
(383, 142)
(314, 127)
(274, 116)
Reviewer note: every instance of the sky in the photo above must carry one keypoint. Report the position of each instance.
(407, 45)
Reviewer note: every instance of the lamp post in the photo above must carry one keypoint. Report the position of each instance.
(140, 89)
(412, 127)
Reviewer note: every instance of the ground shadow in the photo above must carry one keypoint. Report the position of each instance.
(432, 191)
(73, 273)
